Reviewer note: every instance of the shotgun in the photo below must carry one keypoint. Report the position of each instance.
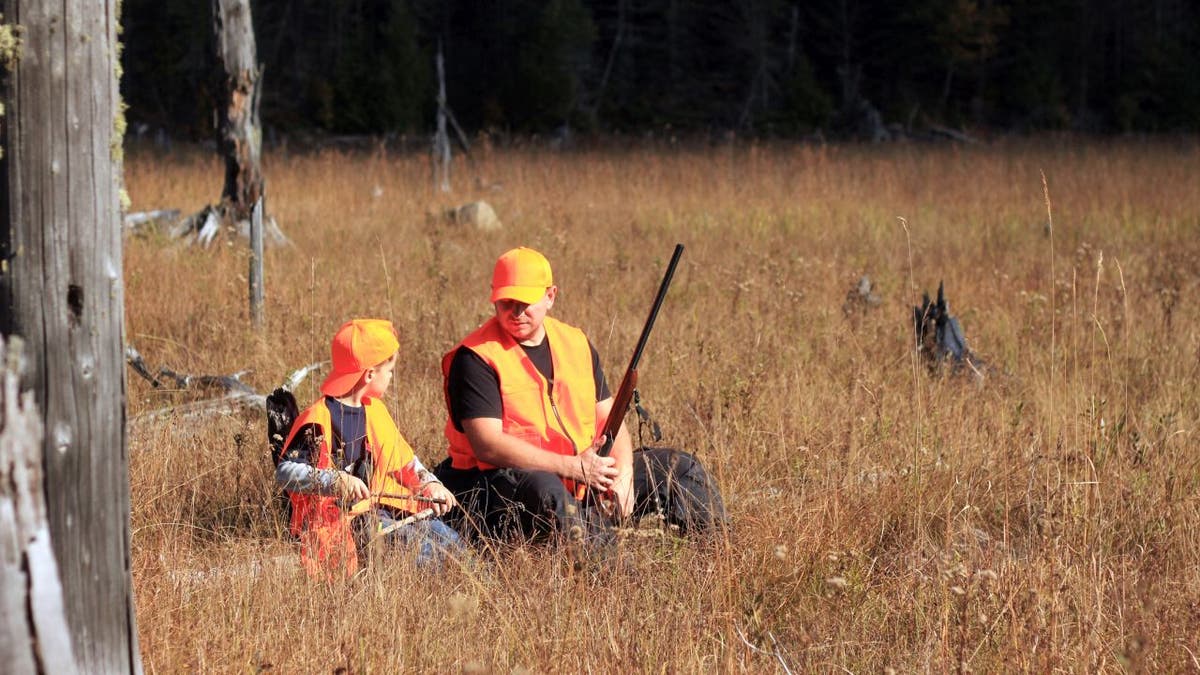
(629, 382)
(616, 416)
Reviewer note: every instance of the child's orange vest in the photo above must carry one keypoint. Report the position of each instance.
(389, 453)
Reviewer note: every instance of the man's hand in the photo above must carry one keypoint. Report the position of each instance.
(350, 488)
(436, 490)
(622, 454)
(595, 471)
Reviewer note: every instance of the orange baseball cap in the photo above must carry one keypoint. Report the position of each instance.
(358, 345)
(521, 274)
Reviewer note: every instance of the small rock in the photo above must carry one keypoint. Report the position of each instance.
(861, 298)
(479, 214)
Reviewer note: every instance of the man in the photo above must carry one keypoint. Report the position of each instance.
(526, 398)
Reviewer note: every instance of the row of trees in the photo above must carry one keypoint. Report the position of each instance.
(762, 66)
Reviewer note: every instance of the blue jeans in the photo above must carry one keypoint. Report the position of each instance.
(431, 541)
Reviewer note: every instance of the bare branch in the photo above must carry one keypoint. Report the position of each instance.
(135, 360)
(238, 395)
(299, 374)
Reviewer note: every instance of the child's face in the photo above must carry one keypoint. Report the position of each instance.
(378, 382)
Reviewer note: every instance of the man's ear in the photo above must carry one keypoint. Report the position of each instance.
(551, 294)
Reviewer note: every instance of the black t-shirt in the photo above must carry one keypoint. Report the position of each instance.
(473, 386)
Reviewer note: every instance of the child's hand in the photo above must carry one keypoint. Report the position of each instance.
(436, 490)
(350, 488)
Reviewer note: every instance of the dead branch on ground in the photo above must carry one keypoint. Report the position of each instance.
(237, 395)
(203, 227)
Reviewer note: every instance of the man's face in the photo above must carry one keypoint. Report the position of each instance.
(524, 322)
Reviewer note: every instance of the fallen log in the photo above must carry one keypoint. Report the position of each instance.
(299, 374)
(135, 360)
(237, 394)
(203, 227)
(140, 219)
(273, 566)
(230, 383)
(227, 405)
(952, 134)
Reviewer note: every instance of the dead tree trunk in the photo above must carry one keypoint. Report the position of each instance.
(441, 140)
(239, 135)
(61, 290)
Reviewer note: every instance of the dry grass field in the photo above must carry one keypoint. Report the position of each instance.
(883, 517)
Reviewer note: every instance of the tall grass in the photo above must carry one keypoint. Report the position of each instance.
(883, 517)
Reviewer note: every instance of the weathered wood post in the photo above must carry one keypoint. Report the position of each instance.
(61, 289)
(256, 265)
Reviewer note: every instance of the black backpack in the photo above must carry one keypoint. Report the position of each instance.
(282, 412)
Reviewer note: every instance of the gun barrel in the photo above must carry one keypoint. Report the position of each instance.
(658, 301)
(624, 394)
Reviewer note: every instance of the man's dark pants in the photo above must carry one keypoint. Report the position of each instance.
(535, 505)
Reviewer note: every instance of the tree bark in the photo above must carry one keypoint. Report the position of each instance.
(33, 626)
(61, 289)
(240, 135)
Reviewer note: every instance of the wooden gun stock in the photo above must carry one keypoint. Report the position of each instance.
(620, 403)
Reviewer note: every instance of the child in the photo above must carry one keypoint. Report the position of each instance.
(346, 448)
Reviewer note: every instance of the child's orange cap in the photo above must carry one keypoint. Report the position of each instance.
(358, 345)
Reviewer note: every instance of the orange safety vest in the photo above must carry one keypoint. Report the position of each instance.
(559, 418)
(389, 453)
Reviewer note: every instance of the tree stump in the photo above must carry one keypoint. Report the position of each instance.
(239, 133)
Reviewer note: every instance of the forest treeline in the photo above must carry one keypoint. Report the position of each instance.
(765, 67)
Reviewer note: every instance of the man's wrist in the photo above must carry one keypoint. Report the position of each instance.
(569, 465)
